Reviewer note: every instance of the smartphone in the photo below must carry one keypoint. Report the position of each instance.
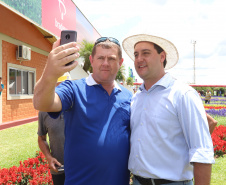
(60, 168)
(66, 37)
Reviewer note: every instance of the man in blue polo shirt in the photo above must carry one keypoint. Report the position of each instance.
(96, 113)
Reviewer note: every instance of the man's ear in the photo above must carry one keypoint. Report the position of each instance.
(121, 61)
(91, 60)
(163, 56)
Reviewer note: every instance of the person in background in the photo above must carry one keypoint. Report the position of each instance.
(211, 121)
(1, 86)
(170, 139)
(208, 96)
(96, 113)
(54, 151)
(202, 92)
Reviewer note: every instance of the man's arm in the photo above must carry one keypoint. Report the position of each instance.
(202, 173)
(45, 99)
(44, 147)
(211, 122)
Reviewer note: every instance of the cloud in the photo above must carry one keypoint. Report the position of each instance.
(221, 48)
(178, 21)
(106, 14)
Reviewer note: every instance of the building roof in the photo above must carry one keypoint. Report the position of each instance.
(46, 34)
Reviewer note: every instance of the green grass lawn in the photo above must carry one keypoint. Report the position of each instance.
(20, 143)
(218, 176)
(221, 120)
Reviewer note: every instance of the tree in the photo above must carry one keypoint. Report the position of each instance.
(129, 81)
(85, 51)
(120, 77)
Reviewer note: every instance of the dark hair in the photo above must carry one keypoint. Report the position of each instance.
(107, 45)
(159, 50)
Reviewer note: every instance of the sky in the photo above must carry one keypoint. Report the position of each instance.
(181, 22)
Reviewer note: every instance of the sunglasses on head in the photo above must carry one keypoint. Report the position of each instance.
(103, 39)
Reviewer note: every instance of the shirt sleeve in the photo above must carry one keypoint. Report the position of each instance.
(42, 130)
(194, 124)
(65, 92)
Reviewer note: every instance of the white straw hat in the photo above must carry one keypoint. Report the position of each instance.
(172, 55)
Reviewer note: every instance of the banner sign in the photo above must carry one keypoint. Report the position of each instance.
(58, 15)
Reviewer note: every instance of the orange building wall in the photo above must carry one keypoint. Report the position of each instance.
(18, 109)
(16, 27)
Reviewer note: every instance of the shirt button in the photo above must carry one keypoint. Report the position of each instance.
(144, 108)
(138, 139)
(136, 155)
(141, 123)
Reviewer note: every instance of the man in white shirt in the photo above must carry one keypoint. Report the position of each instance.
(170, 139)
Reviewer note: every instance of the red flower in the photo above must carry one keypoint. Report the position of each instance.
(219, 140)
(33, 171)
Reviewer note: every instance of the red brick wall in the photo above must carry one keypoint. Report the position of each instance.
(18, 109)
(18, 28)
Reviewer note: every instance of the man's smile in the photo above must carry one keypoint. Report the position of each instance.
(142, 66)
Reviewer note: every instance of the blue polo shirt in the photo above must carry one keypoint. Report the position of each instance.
(97, 133)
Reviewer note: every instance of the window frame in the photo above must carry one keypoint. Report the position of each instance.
(25, 69)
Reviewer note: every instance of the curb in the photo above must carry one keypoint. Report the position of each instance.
(10, 124)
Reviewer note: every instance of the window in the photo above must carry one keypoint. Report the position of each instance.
(21, 82)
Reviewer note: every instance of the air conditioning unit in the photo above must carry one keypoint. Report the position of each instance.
(23, 53)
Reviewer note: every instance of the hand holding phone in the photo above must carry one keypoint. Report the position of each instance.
(60, 168)
(66, 37)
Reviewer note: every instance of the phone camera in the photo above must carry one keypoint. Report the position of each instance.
(67, 36)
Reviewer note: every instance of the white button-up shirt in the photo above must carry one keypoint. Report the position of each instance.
(169, 131)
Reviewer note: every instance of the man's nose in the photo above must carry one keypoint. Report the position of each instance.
(139, 58)
(105, 62)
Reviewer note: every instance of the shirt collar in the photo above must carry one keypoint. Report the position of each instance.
(164, 81)
(90, 82)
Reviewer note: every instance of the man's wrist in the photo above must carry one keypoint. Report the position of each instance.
(48, 79)
(49, 158)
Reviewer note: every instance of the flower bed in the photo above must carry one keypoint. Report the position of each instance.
(33, 171)
(219, 140)
(216, 100)
(217, 112)
(214, 107)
